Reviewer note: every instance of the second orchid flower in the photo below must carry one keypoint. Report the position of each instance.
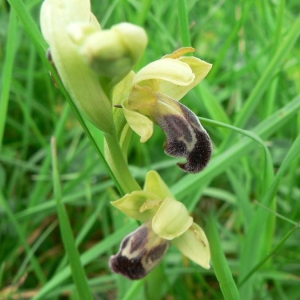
(156, 90)
(166, 221)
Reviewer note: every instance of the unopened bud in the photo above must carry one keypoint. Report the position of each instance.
(113, 53)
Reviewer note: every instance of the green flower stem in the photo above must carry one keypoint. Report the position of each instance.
(118, 164)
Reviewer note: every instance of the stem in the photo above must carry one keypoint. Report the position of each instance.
(118, 164)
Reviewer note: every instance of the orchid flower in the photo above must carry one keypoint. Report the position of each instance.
(166, 221)
(156, 90)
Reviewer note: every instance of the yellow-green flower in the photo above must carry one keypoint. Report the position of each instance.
(166, 221)
(156, 90)
(89, 60)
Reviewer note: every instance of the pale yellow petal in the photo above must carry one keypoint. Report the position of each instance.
(199, 68)
(155, 184)
(167, 69)
(194, 245)
(171, 219)
(138, 123)
(130, 205)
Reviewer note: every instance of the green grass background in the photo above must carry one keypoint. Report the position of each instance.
(247, 199)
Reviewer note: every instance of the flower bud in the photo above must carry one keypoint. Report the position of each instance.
(113, 53)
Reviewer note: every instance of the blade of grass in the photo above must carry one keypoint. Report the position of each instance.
(143, 12)
(184, 26)
(246, 8)
(250, 255)
(221, 268)
(29, 25)
(263, 260)
(5, 83)
(267, 76)
(135, 288)
(78, 272)
(84, 231)
(22, 236)
(241, 194)
(214, 108)
(271, 69)
(36, 245)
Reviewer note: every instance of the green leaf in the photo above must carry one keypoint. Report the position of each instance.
(220, 265)
(78, 272)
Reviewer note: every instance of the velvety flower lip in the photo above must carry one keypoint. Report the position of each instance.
(185, 137)
(166, 221)
(140, 252)
(154, 96)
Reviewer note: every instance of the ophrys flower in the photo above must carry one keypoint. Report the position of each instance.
(166, 221)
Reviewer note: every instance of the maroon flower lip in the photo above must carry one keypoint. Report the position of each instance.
(140, 252)
(186, 138)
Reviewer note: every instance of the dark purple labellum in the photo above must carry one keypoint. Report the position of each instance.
(140, 252)
(186, 138)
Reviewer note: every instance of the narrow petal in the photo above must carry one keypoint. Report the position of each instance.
(154, 184)
(171, 219)
(185, 135)
(194, 244)
(140, 252)
(167, 69)
(138, 123)
(130, 205)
